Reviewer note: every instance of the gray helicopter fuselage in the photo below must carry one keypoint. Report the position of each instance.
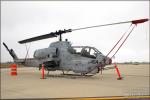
(67, 58)
(62, 56)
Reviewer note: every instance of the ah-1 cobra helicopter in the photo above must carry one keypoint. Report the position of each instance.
(61, 55)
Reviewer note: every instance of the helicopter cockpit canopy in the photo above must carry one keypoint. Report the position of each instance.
(85, 51)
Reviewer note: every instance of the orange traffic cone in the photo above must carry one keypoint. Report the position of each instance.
(13, 69)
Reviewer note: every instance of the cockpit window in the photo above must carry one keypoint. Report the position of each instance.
(78, 50)
(85, 51)
(92, 52)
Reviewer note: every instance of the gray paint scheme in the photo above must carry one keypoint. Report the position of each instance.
(63, 52)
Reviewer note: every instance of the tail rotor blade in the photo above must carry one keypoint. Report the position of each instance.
(11, 51)
(6, 46)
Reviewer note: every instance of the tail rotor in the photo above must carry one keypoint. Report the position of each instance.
(11, 51)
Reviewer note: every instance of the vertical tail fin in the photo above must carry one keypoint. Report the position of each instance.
(11, 52)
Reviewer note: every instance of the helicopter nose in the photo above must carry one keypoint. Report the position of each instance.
(108, 61)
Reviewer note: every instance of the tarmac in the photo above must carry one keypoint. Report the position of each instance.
(28, 83)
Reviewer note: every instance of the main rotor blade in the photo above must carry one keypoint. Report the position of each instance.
(49, 35)
(55, 34)
(37, 38)
(133, 22)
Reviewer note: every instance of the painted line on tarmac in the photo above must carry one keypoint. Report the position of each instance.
(112, 98)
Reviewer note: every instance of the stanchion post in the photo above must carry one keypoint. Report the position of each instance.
(118, 73)
(43, 72)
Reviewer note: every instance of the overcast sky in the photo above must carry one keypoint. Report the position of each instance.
(25, 19)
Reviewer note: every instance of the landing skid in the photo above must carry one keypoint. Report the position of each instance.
(70, 76)
(75, 75)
